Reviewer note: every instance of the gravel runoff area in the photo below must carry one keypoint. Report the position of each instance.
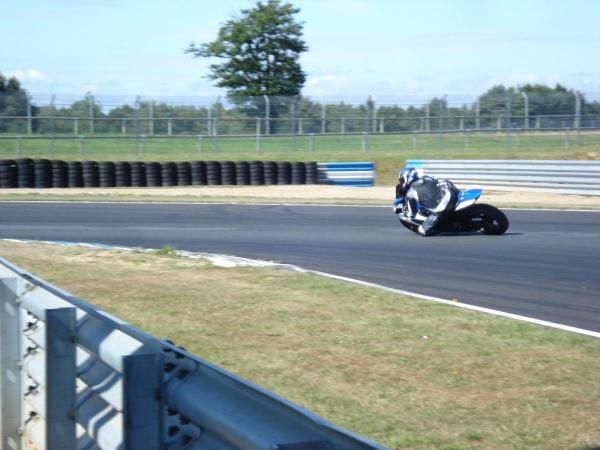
(380, 195)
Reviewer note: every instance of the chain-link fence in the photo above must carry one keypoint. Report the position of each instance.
(24, 120)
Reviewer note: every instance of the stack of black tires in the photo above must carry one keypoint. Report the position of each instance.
(45, 173)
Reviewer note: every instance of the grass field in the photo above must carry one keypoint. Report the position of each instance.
(404, 372)
(388, 151)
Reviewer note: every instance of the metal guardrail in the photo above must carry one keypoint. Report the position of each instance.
(75, 378)
(347, 173)
(565, 177)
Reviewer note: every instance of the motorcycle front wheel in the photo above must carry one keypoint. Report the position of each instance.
(486, 218)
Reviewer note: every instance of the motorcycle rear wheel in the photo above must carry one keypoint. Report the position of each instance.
(487, 218)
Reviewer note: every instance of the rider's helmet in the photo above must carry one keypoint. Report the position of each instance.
(407, 176)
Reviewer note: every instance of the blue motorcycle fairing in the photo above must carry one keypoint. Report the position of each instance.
(469, 194)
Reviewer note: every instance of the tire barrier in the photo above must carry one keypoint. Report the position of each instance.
(213, 173)
(59, 174)
(90, 174)
(298, 173)
(8, 173)
(270, 172)
(45, 173)
(257, 173)
(228, 173)
(122, 174)
(284, 173)
(74, 174)
(138, 174)
(153, 174)
(106, 171)
(42, 173)
(184, 174)
(198, 173)
(242, 173)
(168, 172)
(24, 173)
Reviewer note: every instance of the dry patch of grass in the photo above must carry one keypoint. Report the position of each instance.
(404, 372)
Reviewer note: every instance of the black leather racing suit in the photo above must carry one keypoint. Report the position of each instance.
(438, 197)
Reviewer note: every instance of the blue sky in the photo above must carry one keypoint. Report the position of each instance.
(403, 49)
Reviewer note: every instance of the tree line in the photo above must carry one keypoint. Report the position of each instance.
(256, 54)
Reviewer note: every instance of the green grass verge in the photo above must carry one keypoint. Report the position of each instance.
(388, 151)
(405, 372)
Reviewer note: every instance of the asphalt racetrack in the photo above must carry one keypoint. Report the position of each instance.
(547, 266)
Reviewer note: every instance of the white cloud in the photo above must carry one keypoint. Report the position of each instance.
(30, 75)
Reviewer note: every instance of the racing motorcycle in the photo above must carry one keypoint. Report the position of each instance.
(467, 216)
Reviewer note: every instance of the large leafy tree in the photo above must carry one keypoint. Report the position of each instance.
(13, 102)
(259, 50)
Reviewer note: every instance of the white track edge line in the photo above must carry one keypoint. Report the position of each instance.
(263, 263)
(461, 305)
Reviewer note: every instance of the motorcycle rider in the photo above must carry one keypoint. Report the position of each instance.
(415, 190)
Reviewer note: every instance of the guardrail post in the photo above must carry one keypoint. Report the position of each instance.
(81, 147)
(143, 410)
(10, 360)
(61, 374)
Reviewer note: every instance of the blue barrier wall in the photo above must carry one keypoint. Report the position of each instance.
(347, 173)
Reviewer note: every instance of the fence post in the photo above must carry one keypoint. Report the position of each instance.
(323, 118)
(365, 142)
(343, 125)
(151, 118)
(577, 124)
(374, 123)
(200, 144)
(267, 115)
(123, 126)
(18, 143)
(293, 124)
(61, 373)
(29, 117)
(52, 126)
(508, 121)
(11, 390)
(477, 116)
(90, 99)
(76, 126)
(300, 125)
(81, 149)
(312, 142)
(170, 127)
(525, 110)
(141, 141)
